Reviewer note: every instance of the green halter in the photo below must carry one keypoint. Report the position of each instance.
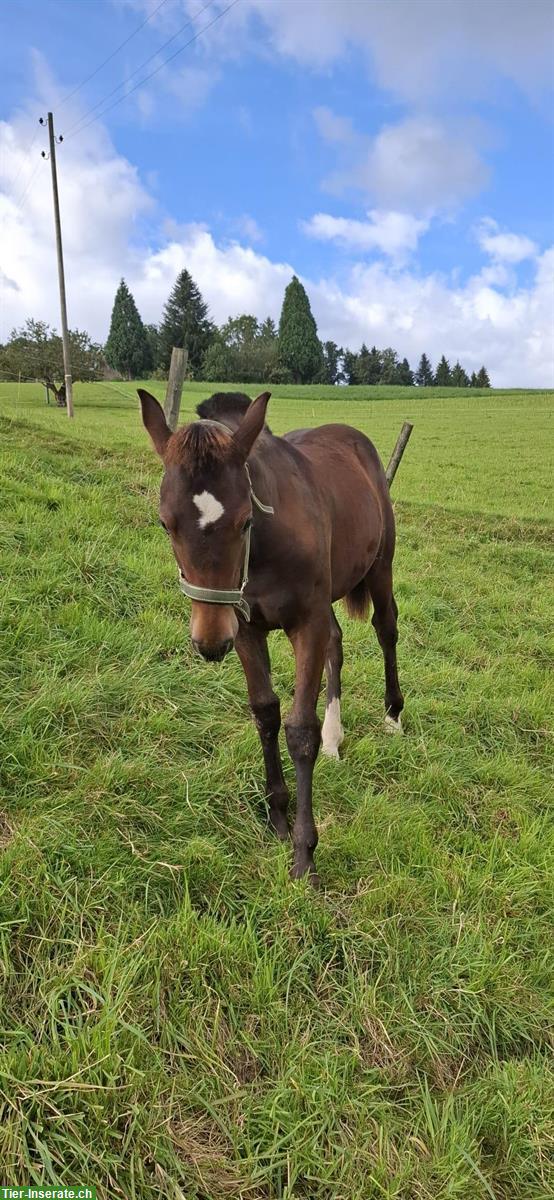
(233, 596)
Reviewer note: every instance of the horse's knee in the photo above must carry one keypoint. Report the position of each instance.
(267, 718)
(303, 740)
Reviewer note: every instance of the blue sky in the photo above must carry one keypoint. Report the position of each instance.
(397, 155)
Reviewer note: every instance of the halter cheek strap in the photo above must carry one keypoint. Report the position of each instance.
(232, 596)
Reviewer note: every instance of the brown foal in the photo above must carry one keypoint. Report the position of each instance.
(267, 532)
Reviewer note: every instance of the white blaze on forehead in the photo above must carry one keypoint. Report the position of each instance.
(209, 508)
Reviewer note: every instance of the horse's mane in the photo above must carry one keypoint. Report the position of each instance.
(224, 404)
(198, 445)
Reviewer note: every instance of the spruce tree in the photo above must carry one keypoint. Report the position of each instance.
(299, 345)
(374, 366)
(404, 374)
(473, 381)
(153, 339)
(443, 376)
(363, 365)
(459, 377)
(185, 323)
(483, 380)
(424, 374)
(332, 355)
(350, 366)
(127, 349)
(267, 330)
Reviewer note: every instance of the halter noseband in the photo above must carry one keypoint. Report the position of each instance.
(233, 596)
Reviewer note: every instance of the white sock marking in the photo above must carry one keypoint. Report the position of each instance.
(392, 725)
(209, 508)
(332, 733)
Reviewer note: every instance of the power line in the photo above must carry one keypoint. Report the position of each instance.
(112, 55)
(28, 184)
(81, 127)
(79, 123)
(26, 152)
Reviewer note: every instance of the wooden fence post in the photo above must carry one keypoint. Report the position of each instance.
(402, 442)
(177, 370)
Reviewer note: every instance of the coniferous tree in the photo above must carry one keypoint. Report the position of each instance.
(374, 366)
(299, 345)
(185, 323)
(363, 365)
(459, 377)
(404, 374)
(268, 330)
(350, 366)
(153, 339)
(483, 380)
(332, 356)
(127, 349)
(443, 374)
(424, 374)
(473, 381)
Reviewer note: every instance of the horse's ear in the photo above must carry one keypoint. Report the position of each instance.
(154, 421)
(251, 425)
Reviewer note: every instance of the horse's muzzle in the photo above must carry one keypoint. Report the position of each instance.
(213, 653)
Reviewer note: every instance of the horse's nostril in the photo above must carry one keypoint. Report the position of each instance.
(213, 653)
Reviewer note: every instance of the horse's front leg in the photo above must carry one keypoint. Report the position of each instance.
(251, 647)
(303, 731)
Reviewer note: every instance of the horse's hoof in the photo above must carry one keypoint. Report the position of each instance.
(280, 829)
(308, 873)
(331, 752)
(393, 724)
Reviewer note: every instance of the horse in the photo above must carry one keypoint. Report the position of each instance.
(268, 532)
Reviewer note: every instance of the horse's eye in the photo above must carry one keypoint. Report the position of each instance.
(247, 525)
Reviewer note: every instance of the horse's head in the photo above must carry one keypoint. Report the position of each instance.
(206, 510)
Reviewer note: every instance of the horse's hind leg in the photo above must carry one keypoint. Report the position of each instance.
(384, 621)
(251, 647)
(332, 733)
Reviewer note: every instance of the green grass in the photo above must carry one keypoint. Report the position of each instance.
(176, 1018)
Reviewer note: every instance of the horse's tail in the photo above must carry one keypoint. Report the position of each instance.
(359, 599)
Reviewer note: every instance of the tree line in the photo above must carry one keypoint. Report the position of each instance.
(243, 350)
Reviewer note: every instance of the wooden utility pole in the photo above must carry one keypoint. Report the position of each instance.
(179, 359)
(61, 277)
(402, 442)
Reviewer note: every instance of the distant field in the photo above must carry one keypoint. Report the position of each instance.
(177, 1019)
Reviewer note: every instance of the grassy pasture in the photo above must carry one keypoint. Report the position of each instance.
(177, 1019)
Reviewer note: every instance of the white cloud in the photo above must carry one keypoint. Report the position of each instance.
(418, 49)
(104, 205)
(502, 246)
(392, 233)
(421, 51)
(247, 227)
(191, 85)
(333, 127)
(419, 164)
